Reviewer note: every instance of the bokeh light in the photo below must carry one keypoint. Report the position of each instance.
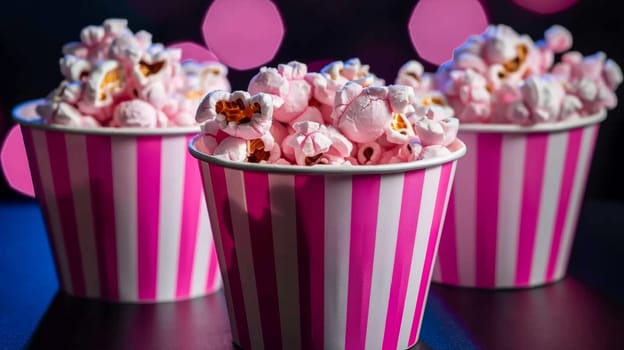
(545, 6)
(193, 51)
(15, 162)
(244, 34)
(436, 27)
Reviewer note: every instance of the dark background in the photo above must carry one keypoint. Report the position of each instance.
(32, 33)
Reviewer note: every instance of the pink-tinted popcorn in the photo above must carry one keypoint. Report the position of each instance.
(128, 48)
(238, 113)
(401, 153)
(112, 65)
(413, 74)
(261, 150)
(362, 114)
(467, 93)
(204, 77)
(138, 114)
(105, 82)
(433, 151)
(557, 39)
(365, 125)
(348, 70)
(335, 75)
(287, 83)
(435, 129)
(400, 130)
(75, 69)
(314, 143)
(62, 113)
(592, 79)
(96, 40)
(503, 77)
(157, 63)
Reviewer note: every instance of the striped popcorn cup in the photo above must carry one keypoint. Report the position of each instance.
(513, 209)
(326, 257)
(124, 210)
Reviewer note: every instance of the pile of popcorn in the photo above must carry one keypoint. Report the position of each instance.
(503, 77)
(116, 78)
(341, 115)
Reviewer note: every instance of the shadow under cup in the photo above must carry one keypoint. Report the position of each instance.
(326, 257)
(124, 210)
(514, 206)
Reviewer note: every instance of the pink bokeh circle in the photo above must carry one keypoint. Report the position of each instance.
(436, 27)
(545, 7)
(14, 162)
(244, 34)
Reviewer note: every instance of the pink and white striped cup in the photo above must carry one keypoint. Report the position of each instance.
(124, 210)
(326, 257)
(513, 209)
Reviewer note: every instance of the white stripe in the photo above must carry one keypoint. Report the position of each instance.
(437, 245)
(124, 165)
(465, 211)
(283, 217)
(212, 210)
(509, 204)
(437, 271)
(76, 147)
(576, 200)
(171, 198)
(423, 230)
(203, 251)
(388, 213)
(244, 253)
(553, 174)
(47, 183)
(337, 229)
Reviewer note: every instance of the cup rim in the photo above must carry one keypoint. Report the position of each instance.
(535, 128)
(37, 123)
(459, 150)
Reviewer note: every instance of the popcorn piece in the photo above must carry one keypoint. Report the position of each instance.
(433, 129)
(138, 114)
(261, 150)
(288, 84)
(107, 80)
(238, 113)
(413, 74)
(362, 114)
(111, 65)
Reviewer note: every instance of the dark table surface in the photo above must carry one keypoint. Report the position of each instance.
(584, 311)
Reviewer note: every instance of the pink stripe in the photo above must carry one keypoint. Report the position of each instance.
(310, 207)
(448, 245)
(27, 134)
(569, 171)
(364, 211)
(410, 207)
(443, 187)
(534, 164)
(585, 173)
(59, 165)
(489, 147)
(221, 197)
(261, 237)
(213, 269)
(148, 208)
(190, 220)
(100, 164)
